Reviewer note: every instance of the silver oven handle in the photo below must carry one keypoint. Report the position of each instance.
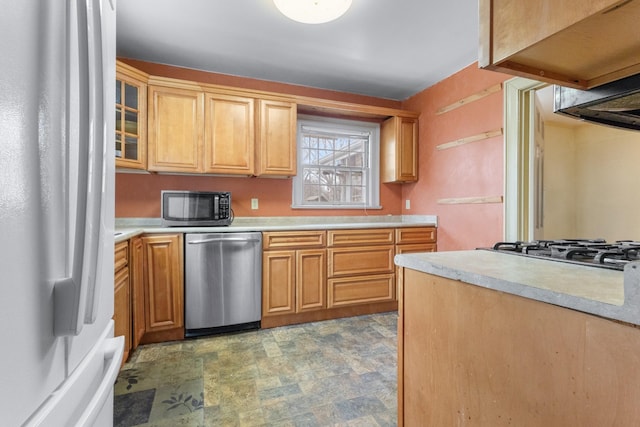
(223, 239)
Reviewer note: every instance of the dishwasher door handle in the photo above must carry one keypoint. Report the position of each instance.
(223, 239)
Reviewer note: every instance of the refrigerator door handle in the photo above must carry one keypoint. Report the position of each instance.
(75, 297)
(69, 294)
(96, 170)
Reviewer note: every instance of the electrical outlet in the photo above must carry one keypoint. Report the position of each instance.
(254, 204)
(407, 204)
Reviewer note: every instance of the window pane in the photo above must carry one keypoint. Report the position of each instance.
(334, 163)
(131, 148)
(131, 96)
(357, 195)
(118, 92)
(131, 122)
(118, 145)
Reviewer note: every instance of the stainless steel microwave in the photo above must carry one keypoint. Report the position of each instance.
(196, 208)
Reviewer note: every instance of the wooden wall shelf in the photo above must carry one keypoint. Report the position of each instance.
(471, 98)
(473, 138)
(471, 200)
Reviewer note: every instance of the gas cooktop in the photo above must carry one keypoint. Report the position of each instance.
(590, 252)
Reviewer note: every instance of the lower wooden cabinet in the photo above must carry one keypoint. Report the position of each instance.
(306, 276)
(293, 279)
(122, 296)
(136, 262)
(319, 275)
(149, 291)
(412, 240)
(163, 280)
(360, 266)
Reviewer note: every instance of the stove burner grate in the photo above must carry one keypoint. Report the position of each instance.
(594, 252)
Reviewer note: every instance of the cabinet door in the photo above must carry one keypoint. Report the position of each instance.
(137, 290)
(164, 290)
(276, 144)
(278, 282)
(176, 129)
(310, 279)
(399, 150)
(122, 309)
(229, 134)
(131, 118)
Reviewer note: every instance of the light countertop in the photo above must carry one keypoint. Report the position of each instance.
(130, 227)
(608, 293)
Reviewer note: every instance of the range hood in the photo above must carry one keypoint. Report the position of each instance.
(614, 104)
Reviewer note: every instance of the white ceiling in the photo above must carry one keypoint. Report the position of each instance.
(385, 48)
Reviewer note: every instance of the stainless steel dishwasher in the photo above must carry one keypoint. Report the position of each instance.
(223, 282)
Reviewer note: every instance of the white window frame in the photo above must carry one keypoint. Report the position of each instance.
(340, 126)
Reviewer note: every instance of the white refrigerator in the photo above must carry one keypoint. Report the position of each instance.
(59, 358)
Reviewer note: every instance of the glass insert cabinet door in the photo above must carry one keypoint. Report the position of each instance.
(130, 109)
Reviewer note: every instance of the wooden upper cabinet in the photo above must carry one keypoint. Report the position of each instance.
(276, 143)
(229, 134)
(399, 150)
(576, 43)
(176, 128)
(131, 117)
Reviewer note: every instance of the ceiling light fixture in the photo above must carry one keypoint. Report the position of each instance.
(313, 11)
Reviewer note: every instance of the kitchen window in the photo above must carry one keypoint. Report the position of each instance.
(338, 164)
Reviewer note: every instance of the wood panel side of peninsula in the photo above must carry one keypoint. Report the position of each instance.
(474, 356)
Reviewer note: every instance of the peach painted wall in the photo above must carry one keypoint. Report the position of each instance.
(471, 170)
(138, 195)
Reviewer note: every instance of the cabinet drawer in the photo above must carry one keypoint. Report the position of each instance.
(361, 260)
(293, 239)
(360, 290)
(417, 247)
(416, 235)
(368, 236)
(121, 255)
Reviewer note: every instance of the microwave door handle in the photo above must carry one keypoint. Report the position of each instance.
(96, 172)
(68, 293)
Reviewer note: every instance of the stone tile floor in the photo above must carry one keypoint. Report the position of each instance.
(339, 372)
